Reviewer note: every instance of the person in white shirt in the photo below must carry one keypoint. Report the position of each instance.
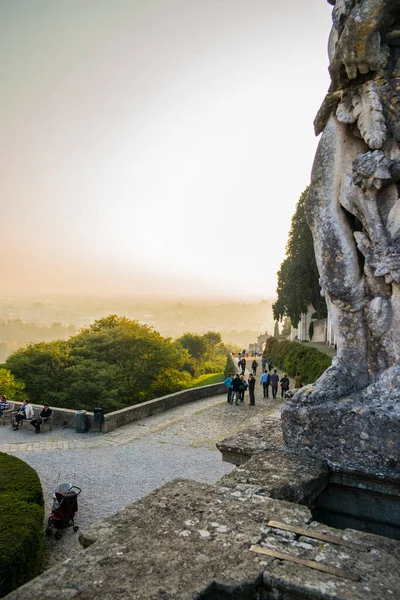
(25, 411)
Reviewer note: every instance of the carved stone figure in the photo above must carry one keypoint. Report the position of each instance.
(353, 210)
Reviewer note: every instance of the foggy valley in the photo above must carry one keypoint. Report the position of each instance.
(32, 319)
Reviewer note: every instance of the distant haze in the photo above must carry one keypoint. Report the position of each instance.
(155, 147)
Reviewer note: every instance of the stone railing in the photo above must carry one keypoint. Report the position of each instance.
(65, 417)
(151, 407)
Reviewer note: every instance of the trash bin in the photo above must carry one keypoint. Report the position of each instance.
(81, 421)
(98, 415)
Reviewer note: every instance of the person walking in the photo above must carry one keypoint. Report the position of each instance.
(244, 387)
(263, 363)
(254, 366)
(298, 381)
(243, 365)
(252, 384)
(228, 383)
(236, 389)
(265, 380)
(274, 383)
(270, 365)
(284, 384)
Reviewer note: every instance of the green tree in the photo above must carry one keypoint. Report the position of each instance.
(212, 337)
(286, 328)
(42, 367)
(196, 345)
(9, 387)
(139, 355)
(298, 279)
(114, 363)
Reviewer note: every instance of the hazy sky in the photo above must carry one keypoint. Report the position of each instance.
(155, 145)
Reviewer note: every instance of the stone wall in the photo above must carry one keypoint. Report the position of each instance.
(319, 334)
(152, 407)
(65, 417)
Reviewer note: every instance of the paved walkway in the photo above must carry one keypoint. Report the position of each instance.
(120, 467)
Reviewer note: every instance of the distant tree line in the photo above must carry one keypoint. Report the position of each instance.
(114, 363)
(15, 333)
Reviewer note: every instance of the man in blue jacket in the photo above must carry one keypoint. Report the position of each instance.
(228, 383)
(265, 380)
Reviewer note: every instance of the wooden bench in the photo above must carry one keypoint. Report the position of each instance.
(7, 416)
(47, 422)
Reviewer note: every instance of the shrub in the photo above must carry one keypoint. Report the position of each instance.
(21, 523)
(292, 357)
(230, 366)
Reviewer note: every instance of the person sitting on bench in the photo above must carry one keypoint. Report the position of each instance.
(4, 405)
(25, 411)
(45, 414)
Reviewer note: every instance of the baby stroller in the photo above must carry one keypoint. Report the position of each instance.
(65, 505)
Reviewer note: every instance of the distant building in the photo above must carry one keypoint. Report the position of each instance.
(309, 328)
(260, 344)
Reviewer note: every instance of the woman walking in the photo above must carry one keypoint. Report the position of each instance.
(284, 384)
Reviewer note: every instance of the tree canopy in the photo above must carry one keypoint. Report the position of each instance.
(298, 279)
(116, 362)
(14, 390)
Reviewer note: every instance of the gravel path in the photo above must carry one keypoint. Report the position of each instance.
(121, 467)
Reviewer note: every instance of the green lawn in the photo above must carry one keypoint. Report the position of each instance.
(207, 379)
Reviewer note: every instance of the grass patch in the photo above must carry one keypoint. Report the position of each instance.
(207, 379)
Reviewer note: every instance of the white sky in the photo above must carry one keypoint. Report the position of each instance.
(155, 145)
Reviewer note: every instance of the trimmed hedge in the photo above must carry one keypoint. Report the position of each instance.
(292, 357)
(21, 523)
(230, 366)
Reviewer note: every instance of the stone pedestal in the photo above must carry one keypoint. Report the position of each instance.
(356, 429)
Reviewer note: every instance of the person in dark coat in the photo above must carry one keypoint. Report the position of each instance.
(45, 414)
(236, 389)
(284, 384)
(252, 383)
(274, 383)
(243, 365)
(244, 387)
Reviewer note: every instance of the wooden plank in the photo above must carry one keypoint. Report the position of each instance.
(329, 539)
(312, 564)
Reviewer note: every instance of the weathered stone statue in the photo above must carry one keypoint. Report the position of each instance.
(354, 213)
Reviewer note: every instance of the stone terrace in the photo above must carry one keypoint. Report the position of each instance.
(124, 465)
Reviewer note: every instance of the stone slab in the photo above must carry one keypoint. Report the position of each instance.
(265, 435)
(190, 541)
(356, 429)
(281, 475)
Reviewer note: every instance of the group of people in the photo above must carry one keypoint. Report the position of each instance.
(26, 413)
(237, 384)
(273, 380)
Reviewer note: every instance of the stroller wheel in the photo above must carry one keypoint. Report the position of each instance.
(76, 527)
(58, 535)
(49, 532)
